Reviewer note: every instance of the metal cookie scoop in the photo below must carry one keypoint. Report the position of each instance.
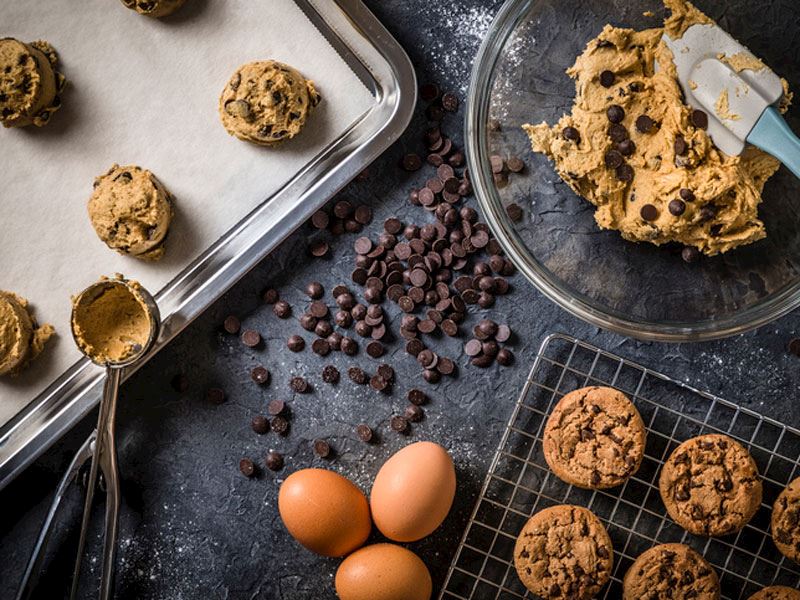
(130, 331)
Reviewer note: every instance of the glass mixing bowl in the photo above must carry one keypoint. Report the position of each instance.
(639, 290)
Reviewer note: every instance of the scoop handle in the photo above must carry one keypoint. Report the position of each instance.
(772, 134)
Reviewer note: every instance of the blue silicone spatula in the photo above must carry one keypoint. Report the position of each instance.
(738, 92)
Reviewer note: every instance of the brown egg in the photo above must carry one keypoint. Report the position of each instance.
(413, 492)
(383, 572)
(324, 511)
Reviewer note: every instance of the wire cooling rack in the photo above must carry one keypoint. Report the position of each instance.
(520, 483)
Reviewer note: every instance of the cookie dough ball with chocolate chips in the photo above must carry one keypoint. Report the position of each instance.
(710, 485)
(594, 438)
(131, 211)
(154, 8)
(21, 339)
(266, 102)
(29, 84)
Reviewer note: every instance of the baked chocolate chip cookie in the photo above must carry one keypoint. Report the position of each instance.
(710, 485)
(154, 8)
(131, 211)
(564, 552)
(786, 521)
(594, 438)
(673, 571)
(266, 102)
(29, 83)
(776, 592)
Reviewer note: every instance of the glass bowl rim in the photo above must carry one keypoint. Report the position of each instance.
(476, 117)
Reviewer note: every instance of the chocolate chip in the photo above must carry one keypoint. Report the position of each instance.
(686, 195)
(794, 346)
(515, 164)
(364, 432)
(299, 385)
(699, 119)
(318, 309)
(318, 248)
(279, 425)
(450, 102)
(378, 383)
(626, 147)
(260, 424)
(615, 113)
(386, 372)
(322, 448)
(308, 322)
(429, 92)
(417, 397)
(282, 309)
(215, 395)
(445, 366)
(514, 212)
(624, 173)
(270, 296)
(571, 134)
(295, 343)
(363, 215)
(644, 124)
(617, 132)
(321, 347)
(330, 374)
(274, 461)
(260, 375)
(680, 146)
(314, 290)
(649, 212)
(690, 254)
(349, 346)
(414, 347)
(472, 348)
(505, 357)
(708, 212)
(412, 162)
(413, 413)
(320, 220)
(607, 78)
(613, 159)
(375, 349)
(363, 245)
(232, 324)
(357, 375)
(677, 207)
(251, 338)
(276, 407)
(399, 424)
(247, 467)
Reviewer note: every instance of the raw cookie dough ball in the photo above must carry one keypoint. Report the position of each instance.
(776, 592)
(594, 438)
(131, 211)
(21, 339)
(29, 83)
(154, 8)
(672, 571)
(786, 521)
(710, 485)
(564, 552)
(266, 102)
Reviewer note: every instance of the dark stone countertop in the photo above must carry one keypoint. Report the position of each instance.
(192, 526)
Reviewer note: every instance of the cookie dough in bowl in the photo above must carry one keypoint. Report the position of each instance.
(154, 8)
(266, 102)
(636, 151)
(131, 211)
(29, 84)
(21, 339)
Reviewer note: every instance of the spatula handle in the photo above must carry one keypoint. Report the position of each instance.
(772, 134)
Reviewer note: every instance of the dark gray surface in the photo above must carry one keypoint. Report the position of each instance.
(193, 527)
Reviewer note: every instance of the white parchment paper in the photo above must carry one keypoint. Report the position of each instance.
(145, 91)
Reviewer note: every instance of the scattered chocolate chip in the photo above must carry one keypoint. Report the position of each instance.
(247, 467)
(215, 395)
(322, 448)
(320, 220)
(417, 397)
(616, 114)
(431, 376)
(386, 372)
(676, 207)
(357, 375)
(260, 375)
(349, 346)
(429, 92)
(450, 102)
(363, 215)
(279, 425)
(295, 343)
(318, 248)
(571, 134)
(399, 424)
(515, 164)
(375, 349)
(794, 346)
(644, 124)
(251, 338)
(378, 383)
(699, 119)
(274, 461)
(412, 162)
(260, 424)
(314, 290)
(282, 309)
(330, 374)
(607, 78)
(299, 385)
(321, 347)
(505, 357)
(413, 413)
(472, 348)
(649, 212)
(364, 432)
(514, 212)
(232, 324)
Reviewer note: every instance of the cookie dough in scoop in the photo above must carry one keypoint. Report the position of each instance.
(131, 211)
(29, 84)
(633, 148)
(21, 339)
(266, 102)
(114, 324)
(154, 8)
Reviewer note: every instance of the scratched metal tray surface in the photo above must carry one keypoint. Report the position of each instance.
(520, 483)
(384, 68)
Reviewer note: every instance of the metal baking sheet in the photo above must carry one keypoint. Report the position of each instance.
(201, 262)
